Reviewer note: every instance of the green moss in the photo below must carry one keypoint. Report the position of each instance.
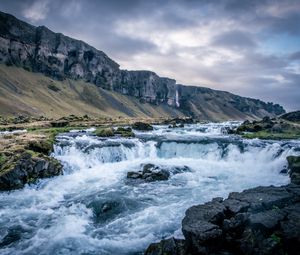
(270, 135)
(33, 153)
(124, 132)
(104, 132)
(42, 146)
(8, 164)
(51, 133)
(3, 159)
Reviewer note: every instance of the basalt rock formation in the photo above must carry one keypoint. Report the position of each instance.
(38, 49)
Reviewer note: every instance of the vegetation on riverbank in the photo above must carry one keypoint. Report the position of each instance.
(286, 126)
(25, 155)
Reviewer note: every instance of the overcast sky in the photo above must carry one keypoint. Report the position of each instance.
(251, 48)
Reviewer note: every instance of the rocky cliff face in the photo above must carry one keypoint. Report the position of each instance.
(38, 49)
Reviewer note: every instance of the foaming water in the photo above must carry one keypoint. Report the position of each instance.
(93, 209)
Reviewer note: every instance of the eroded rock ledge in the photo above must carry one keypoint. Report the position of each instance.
(27, 168)
(262, 220)
(24, 158)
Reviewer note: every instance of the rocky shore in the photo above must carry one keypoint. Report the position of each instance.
(24, 158)
(262, 220)
(287, 126)
(27, 168)
(26, 145)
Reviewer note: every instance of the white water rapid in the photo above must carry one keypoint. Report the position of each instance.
(93, 209)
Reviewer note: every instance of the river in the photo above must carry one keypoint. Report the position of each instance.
(94, 209)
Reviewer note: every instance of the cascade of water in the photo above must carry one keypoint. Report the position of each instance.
(92, 209)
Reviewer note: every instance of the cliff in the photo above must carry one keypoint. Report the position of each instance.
(38, 49)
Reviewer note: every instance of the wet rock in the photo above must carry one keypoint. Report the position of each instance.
(170, 246)
(180, 121)
(294, 166)
(150, 173)
(25, 168)
(179, 169)
(201, 226)
(284, 171)
(263, 220)
(142, 126)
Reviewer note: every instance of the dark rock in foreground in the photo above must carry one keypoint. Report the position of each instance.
(16, 172)
(168, 246)
(263, 220)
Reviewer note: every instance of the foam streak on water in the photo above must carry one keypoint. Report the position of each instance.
(92, 209)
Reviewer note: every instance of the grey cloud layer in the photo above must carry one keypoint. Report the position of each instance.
(246, 47)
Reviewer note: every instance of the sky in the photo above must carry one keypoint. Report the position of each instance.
(250, 48)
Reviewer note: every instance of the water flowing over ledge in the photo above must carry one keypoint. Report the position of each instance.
(93, 209)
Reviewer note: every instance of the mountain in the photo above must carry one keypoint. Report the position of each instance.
(64, 60)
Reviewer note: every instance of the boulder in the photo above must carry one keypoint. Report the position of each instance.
(104, 132)
(150, 173)
(25, 168)
(262, 220)
(142, 126)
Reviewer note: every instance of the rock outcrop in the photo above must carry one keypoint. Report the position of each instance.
(267, 128)
(26, 168)
(262, 220)
(38, 49)
(150, 173)
(142, 126)
(294, 168)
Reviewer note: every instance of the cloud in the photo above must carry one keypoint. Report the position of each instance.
(234, 40)
(37, 11)
(295, 55)
(246, 47)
